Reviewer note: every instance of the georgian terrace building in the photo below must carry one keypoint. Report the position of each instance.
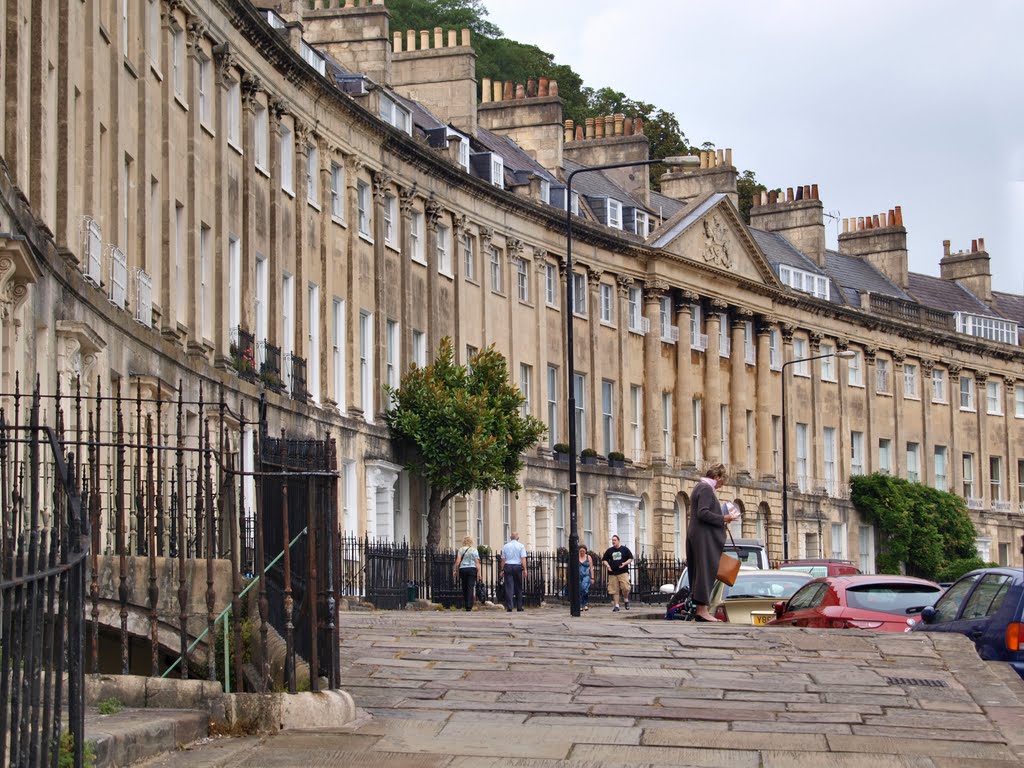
(300, 203)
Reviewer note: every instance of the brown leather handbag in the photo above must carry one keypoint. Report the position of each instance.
(728, 566)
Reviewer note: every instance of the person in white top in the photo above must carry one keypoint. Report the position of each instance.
(513, 565)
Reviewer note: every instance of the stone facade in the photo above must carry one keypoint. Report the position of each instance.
(182, 178)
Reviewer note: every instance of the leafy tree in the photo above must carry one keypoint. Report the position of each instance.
(926, 532)
(449, 14)
(461, 428)
(747, 186)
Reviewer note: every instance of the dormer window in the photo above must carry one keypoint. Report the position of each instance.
(463, 146)
(274, 20)
(641, 223)
(393, 113)
(807, 282)
(614, 214)
(313, 58)
(991, 328)
(545, 191)
(497, 171)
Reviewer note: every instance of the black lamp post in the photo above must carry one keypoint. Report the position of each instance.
(844, 355)
(570, 365)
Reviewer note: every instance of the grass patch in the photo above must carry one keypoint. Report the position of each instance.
(110, 706)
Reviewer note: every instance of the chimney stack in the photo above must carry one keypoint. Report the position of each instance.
(798, 217)
(613, 139)
(970, 269)
(440, 74)
(881, 240)
(531, 115)
(715, 174)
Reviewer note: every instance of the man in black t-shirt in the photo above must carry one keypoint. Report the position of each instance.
(616, 561)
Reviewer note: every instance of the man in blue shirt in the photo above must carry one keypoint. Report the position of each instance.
(513, 562)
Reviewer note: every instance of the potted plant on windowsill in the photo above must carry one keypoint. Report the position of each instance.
(616, 459)
(561, 452)
(588, 456)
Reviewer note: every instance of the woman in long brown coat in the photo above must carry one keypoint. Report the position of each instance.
(705, 538)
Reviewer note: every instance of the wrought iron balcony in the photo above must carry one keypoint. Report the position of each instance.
(269, 359)
(298, 377)
(243, 353)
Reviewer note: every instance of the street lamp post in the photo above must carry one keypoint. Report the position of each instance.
(570, 365)
(843, 355)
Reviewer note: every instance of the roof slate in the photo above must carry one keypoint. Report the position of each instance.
(853, 274)
(1010, 306)
(517, 160)
(597, 184)
(946, 295)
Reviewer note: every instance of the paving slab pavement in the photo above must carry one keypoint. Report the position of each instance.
(539, 688)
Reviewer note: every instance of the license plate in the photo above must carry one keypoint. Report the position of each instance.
(760, 619)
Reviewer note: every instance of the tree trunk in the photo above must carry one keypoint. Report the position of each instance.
(434, 507)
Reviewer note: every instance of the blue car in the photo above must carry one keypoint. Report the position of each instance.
(987, 605)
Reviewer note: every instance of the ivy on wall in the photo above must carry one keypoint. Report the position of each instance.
(922, 531)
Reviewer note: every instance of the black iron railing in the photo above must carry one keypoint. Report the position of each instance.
(388, 574)
(243, 353)
(44, 543)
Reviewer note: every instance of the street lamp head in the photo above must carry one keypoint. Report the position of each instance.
(680, 161)
(846, 354)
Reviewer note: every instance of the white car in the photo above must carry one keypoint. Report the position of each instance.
(752, 555)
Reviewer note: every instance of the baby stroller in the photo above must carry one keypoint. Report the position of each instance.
(680, 606)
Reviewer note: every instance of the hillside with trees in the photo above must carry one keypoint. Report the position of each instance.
(500, 58)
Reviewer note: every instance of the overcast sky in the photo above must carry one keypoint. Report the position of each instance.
(917, 103)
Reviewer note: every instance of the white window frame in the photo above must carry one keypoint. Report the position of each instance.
(607, 294)
(698, 340)
(261, 298)
(724, 339)
(855, 369)
(366, 365)
(828, 363)
(287, 148)
(698, 430)
(416, 224)
(497, 171)
(468, 257)
(204, 85)
(883, 383)
(995, 478)
(234, 115)
(261, 132)
(390, 214)
(313, 175)
(994, 397)
(364, 203)
(1018, 403)
(774, 349)
(614, 214)
(313, 342)
(939, 386)
(801, 350)
(666, 424)
(205, 260)
(967, 465)
(523, 280)
(419, 348)
(940, 460)
(636, 314)
(641, 223)
(966, 392)
(828, 450)
(526, 387)
(914, 462)
(579, 294)
(636, 422)
(553, 409)
(287, 328)
(338, 350)
(579, 384)
(911, 382)
(442, 240)
(884, 455)
(392, 356)
(178, 61)
(803, 479)
(551, 285)
(497, 281)
(749, 347)
(669, 332)
(856, 453)
(608, 415)
(776, 443)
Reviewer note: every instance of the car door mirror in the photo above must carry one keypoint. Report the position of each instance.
(928, 614)
(780, 608)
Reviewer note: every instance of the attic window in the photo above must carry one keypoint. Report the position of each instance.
(394, 114)
(463, 146)
(545, 191)
(641, 223)
(274, 20)
(314, 59)
(991, 328)
(614, 213)
(497, 171)
(807, 282)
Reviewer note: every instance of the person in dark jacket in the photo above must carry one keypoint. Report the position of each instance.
(705, 538)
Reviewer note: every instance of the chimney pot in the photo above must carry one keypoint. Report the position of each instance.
(553, 88)
(453, 38)
(981, 243)
(703, 158)
(860, 223)
(465, 38)
(499, 90)
(620, 120)
(579, 133)
(974, 246)
(773, 197)
(799, 193)
(814, 192)
(438, 37)
(509, 91)
(590, 127)
(899, 216)
(945, 247)
(424, 40)
(638, 126)
(410, 40)
(877, 222)
(789, 194)
(520, 91)
(531, 87)
(397, 42)
(807, 191)
(627, 127)
(567, 133)
(720, 158)
(542, 86)
(599, 127)
(485, 90)
(728, 156)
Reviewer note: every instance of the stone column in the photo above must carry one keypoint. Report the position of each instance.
(593, 324)
(195, 32)
(816, 461)
(871, 408)
(406, 201)
(956, 447)
(433, 217)
(275, 263)
(540, 261)
(624, 283)
(1009, 414)
(981, 470)
(713, 384)
(251, 86)
(738, 393)
(683, 399)
(899, 434)
(328, 288)
(653, 291)
(303, 136)
(927, 440)
(766, 399)
(355, 287)
(787, 354)
(845, 427)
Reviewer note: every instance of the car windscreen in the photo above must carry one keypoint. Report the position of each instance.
(899, 599)
(777, 586)
(747, 555)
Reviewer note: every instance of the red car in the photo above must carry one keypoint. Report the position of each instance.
(878, 602)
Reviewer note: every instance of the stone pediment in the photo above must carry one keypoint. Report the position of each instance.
(710, 233)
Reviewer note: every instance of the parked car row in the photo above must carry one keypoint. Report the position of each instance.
(986, 605)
